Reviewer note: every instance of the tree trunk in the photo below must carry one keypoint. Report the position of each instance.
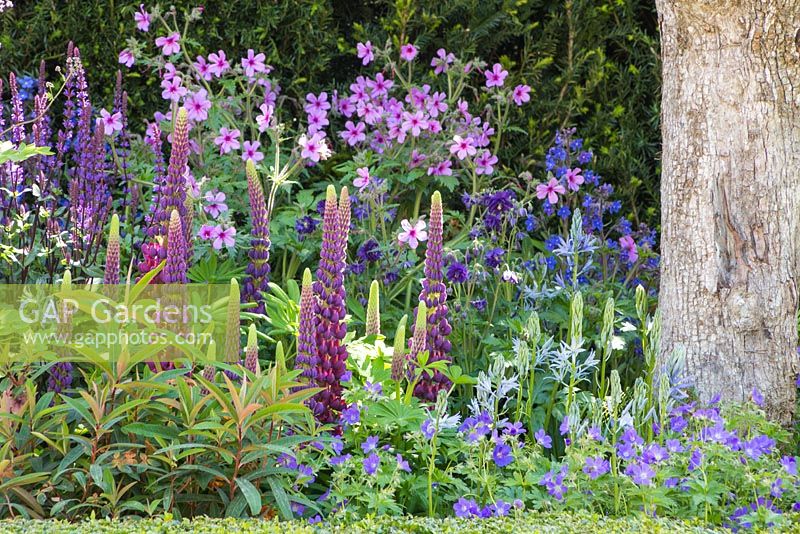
(730, 193)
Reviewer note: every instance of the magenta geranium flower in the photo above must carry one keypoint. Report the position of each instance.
(142, 19)
(208, 232)
(496, 77)
(224, 237)
(408, 52)
(173, 90)
(110, 122)
(197, 105)
(353, 133)
(550, 191)
(443, 168)
(265, 118)
(363, 178)
(171, 44)
(313, 148)
(215, 203)
(441, 61)
(203, 68)
(521, 94)
(126, 58)
(412, 235)
(227, 140)
(250, 151)
(414, 123)
(317, 104)
(462, 147)
(574, 178)
(253, 63)
(317, 122)
(436, 104)
(627, 244)
(484, 163)
(380, 86)
(218, 63)
(365, 53)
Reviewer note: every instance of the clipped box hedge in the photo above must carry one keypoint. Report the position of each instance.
(533, 522)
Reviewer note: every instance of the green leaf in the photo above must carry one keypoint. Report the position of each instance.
(251, 493)
(281, 499)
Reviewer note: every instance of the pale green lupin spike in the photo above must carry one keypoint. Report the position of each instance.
(232, 341)
(66, 282)
(576, 318)
(608, 321)
(400, 336)
(534, 329)
(306, 276)
(373, 310)
(280, 359)
(641, 303)
(113, 232)
(211, 352)
(252, 336)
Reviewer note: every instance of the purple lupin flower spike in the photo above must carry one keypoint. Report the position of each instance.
(306, 355)
(330, 328)
(434, 294)
(175, 269)
(251, 351)
(256, 284)
(111, 276)
(173, 195)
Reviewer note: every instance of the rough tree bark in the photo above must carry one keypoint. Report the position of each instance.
(730, 193)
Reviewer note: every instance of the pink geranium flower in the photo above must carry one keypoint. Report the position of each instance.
(203, 68)
(110, 122)
(173, 90)
(495, 77)
(197, 105)
(412, 235)
(521, 94)
(250, 151)
(253, 63)
(224, 237)
(627, 244)
(462, 147)
(484, 163)
(227, 140)
(441, 61)
(265, 118)
(208, 232)
(171, 44)
(317, 104)
(313, 147)
(363, 178)
(218, 63)
(365, 53)
(215, 203)
(550, 191)
(142, 19)
(574, 178)
(414, 123)
(126, 58)
(408, 52)
(353, 133)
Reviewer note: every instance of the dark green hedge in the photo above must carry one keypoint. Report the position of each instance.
(592, 64)
(555, 522)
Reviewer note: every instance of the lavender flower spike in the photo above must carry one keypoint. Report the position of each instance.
(251, 352)
(175, 268)
(111, 276)
(306, 354)
(373, 310)
(434, 295)
(330, 328)
(256, 284)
